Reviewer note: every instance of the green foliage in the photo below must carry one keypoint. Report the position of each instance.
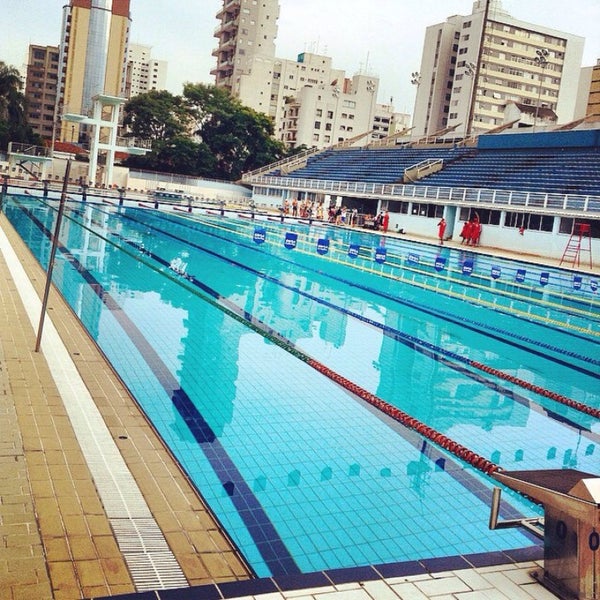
(206, 132)
(157, 115)
(13, 113)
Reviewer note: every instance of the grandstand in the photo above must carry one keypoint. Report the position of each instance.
(543, 183)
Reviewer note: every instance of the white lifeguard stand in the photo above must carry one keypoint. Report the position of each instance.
(104, 124)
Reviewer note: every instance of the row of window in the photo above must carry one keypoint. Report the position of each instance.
(528, 221)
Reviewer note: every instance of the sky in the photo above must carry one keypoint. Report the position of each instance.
(383, 38)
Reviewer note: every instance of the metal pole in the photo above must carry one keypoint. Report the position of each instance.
(471, 114)
(4, 190)
(61, 208)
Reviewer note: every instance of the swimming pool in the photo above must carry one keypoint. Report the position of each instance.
(213, 323)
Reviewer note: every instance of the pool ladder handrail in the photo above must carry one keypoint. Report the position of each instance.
(534, 525)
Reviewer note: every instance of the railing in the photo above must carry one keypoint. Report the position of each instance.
(290, 160)
(28, 149)
(542, 202)
(422, 169)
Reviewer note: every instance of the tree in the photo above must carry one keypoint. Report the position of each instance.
(157, 115)
(13, 113)
(206, 132)
(240, 138)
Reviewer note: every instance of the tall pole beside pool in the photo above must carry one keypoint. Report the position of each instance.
(61, 208)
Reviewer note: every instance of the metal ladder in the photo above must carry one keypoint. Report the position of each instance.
(575, 246)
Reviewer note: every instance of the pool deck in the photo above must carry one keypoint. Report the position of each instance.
(76, 526)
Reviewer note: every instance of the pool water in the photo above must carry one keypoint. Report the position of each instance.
(209, 320)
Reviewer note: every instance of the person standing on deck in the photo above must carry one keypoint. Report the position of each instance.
(385, 221)
(442, 229)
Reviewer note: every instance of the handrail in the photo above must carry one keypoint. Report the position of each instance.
(280, 163)
(422, 169)
(517, 200)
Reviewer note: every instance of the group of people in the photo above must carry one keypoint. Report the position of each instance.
(471, 231)
(305, 209)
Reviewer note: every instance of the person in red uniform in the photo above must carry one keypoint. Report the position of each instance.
(465, 233)
(385, 221)
(475, 230)
(442, 229)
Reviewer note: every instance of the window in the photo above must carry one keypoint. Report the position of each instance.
(317, 124)
(567, 225)
(427, 210)
(533, 222)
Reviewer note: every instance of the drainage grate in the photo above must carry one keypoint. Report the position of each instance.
(155, 571)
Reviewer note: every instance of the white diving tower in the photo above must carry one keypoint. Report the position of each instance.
(103, 125)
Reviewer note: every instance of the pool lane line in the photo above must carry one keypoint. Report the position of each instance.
(562, 327)
(478, 327)
(397, 335)
(549, 323)
(265, 330)
(411, 341)
(462, 452)
(467, 283)
(426, 348)
(561, 399)
(260, 528)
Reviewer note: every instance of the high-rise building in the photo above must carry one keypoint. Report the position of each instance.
(93, 53)
(144, 73)
(483, 70)
(323, 114)
(41, 89)
(246, 48)
(311, 103)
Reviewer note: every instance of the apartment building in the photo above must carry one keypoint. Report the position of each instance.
(144, 73)
(246, 48)
(311, 102)
(41, 88)
(481, 71)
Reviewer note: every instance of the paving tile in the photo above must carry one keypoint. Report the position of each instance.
(443, 585)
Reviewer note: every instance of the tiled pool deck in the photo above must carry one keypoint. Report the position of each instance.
(59, 536)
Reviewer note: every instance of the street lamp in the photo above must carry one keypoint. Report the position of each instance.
(470, 71)
(415, 79)
(541, 60)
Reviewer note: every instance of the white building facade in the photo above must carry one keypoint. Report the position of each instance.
(311, 103)
(144, 73)
(246, 49)
(469, 75)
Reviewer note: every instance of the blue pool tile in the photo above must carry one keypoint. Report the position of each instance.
(206, 592)
(446, 563)
(304, 581)
(526, 554)
(339, 576)
(401, 569)
(487, 559)
(252, 587)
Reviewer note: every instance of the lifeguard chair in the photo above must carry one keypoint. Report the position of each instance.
(579, 241)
